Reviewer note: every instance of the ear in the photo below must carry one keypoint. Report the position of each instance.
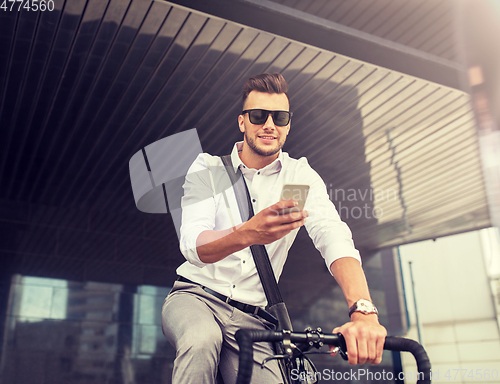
(241, 123)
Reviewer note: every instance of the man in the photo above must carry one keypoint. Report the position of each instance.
(196, 318)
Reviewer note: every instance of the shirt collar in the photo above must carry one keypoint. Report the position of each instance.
(275, 166)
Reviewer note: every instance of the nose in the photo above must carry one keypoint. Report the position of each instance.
(269, 122)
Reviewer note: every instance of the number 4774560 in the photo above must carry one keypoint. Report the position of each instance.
(28, 5)
(471, 374)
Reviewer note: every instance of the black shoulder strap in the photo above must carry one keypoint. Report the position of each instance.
(259, 252)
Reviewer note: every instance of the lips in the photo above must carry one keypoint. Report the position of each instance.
(267, 137)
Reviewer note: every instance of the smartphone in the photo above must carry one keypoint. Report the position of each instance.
(296, 192)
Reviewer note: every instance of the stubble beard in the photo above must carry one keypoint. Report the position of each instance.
(260, 151)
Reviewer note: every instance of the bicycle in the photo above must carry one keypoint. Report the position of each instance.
(297, 344)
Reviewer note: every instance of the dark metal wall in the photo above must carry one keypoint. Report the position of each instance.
(88, 84)
(426, 25)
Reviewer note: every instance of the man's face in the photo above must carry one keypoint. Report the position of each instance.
(266, 139)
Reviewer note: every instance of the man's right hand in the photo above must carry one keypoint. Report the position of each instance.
(269, 225)
(263, 228)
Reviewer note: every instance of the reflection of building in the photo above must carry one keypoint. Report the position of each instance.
(108, 334)
(80, 346)
(41, 349)
(95, 306)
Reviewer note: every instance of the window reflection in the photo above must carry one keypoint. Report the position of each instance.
(84, 332)
(147, 321)
(41, 298)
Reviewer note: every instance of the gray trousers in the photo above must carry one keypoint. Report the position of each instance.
(201, 328)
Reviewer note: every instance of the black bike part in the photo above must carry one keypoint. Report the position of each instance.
(407, 345)
(246, 338)
(280, 311)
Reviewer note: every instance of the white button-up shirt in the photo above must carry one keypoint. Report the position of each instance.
(209, 203)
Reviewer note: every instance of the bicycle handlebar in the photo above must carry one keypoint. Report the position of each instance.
(246, 338)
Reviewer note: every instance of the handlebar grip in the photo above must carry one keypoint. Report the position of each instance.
(406, 345)
(245, 339)
(245, 360)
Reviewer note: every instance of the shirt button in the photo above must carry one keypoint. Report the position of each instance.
(234, 286)
(254, 200)
(258, 173)
(243, 261)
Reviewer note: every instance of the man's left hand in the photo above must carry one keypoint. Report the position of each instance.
(364, 337)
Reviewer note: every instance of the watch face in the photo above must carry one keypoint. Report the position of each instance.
(364, 306)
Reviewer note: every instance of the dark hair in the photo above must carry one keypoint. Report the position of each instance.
(265, 82)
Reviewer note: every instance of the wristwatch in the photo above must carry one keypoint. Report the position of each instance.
(366, 307)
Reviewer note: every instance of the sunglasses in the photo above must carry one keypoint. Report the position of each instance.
(259, 116)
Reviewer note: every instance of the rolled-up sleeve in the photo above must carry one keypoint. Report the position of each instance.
(330, 235)
(198, 209)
